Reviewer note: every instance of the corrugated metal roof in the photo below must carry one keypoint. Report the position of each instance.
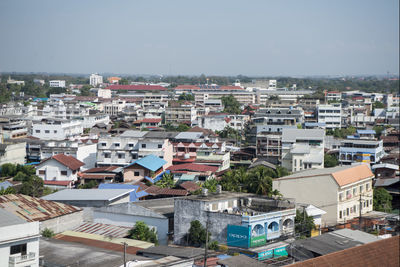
(87, 194)
(107, 230)
(7, 218)
(34, 209)
(150, 162)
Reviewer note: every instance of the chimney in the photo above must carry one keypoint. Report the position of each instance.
(204, 192)
(219, 189)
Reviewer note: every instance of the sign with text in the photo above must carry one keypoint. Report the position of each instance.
(238, 236)
(256, 241)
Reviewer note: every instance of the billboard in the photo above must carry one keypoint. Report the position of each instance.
(238, 236)
(256, 241)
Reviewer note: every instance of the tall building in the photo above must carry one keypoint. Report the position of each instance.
(57, 83)
(95, 79)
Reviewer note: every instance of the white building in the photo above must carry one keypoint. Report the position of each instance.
(12, 152)
(57, 83)
(302, 149)
(12, 81)
(59, 168)
(331, 115)
(104, 93)
(54, 129)
(272, 84)
(19, 241)
(177, 113)
(95, 79)
(335, 190)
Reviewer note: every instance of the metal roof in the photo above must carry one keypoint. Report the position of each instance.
(133, 195)
(181, 252)
(131, 209)
(150, 162)
(7, 218)
(87, 194)
(189, 135)
(108, 230)
(132, 133)
(291, 135)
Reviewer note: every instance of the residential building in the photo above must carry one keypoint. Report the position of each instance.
(19, 241)
(302, 149)
(95, 79)
(59, 168)
(100, 175)
(113, 80)
(55, 216)
(331, 115)
(177, 113)
(156, 213)
(333, 96)
(238, 219)
(12, 81)
(114, 107)
(56, 129)
(339, 191)
(355, 149)
(12, 151)
(148, 123)
(279, 116)
(57, 83)
(104, 93)
(150, 168)
(90, 197)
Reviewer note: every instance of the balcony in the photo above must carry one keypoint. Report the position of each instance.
(22, 260)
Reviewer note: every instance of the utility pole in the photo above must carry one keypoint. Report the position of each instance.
(124, 254)
(205, 249)
(359, 219)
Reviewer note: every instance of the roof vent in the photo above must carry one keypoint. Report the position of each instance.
(204, 192)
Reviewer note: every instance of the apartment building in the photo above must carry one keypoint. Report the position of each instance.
(56, 129)
(12, 151)
(335, 190)
(278, 116)
(302, 149)
(331, 115)
(95, 79)
(354, 149)
(57, 83)
(132, 145)
(333, 96)
(19, 241)
(177, 113)
(114, 107)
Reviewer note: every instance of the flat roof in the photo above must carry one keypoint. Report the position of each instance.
(87, 194)
(7, 218)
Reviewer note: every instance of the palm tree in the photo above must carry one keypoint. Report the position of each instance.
(260, 181)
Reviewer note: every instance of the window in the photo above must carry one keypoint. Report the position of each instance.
(116, 144)
(107, 155)
(361, 189)
(64, 173)
(43, 172)
(55, 131)
(136, 174)
(143, 145)
(341, 196)
(340, 214)
(230, 203)
(47, 131)
(355, 208)
(121, 156)
(37, 131)
(367, 186)
(159, 145)
(130, 145)
(347, 211)
(354, 191)
(103, 144)
(18, 249)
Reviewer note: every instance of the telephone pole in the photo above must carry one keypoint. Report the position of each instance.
(359, 218)
(125, 253)
(205, 249)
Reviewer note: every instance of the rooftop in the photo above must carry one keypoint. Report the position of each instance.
(291, 135)
(181, 252)
(8, 218)
(34, 209)
(137, 87)
(87, 194)
(150, 162)
(68, 161)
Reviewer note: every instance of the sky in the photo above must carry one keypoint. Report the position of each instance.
(224, 37)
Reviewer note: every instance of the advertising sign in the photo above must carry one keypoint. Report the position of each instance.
(238, 236)
(256, 241)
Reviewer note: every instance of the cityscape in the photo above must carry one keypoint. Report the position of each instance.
(231, 157)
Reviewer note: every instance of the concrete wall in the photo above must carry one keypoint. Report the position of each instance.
(88, 155)
(14, 153)
(19, 234)
(187, 210)
(129, 173)
(161, 224)
(63, 223)
(319, 191)
(53, 170)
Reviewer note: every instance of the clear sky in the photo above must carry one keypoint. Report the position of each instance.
(221, 37)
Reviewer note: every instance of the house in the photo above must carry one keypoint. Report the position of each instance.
(19, 241)
(156, 213)
(91, 197)
(148, 123)
(149, 168)
(238, 219)
(200, 172)
(107, 174)
(339, 191)
(302, 149)
(59, 168)
(375, 254)
(56, 129)
(55, 216)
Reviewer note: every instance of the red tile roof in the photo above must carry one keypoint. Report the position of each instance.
(375, 254)
(196, 87)
(96, 176)
(190, 186)
(101, 169)
(157, 191)
(193, 167)
(68, 161)
(137, 87)
(62, 183)
(149, 120)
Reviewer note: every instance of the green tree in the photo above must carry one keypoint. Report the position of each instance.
(377, 104)
(214, 245)
(142, 232)
(48, 233)
(211, 185)
(123, 81)
(167, 181)
(8, 190)
(89, 185)
(231, 105)
(378, 130)
(32, 187)
(382, 200)
(330, 161)
(260, 181)
(182, 128)
(8, 169)
(228, 132)
(304, 224)
(85, 90)
(197, 234)
(186, 97)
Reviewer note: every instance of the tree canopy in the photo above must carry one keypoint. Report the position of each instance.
(142, 232)
(382, 200)
(330, 161)
(304, 224)
(231, 105)
(197, 234)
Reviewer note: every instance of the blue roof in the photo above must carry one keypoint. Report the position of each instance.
(132, 196)
(150, 162)
(40, 99)
(141, 194)
(312, 124)
(366, 132)
(33, 163)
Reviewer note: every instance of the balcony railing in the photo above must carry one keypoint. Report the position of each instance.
(19, 259)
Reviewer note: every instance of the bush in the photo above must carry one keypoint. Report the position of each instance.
(142, 232)
(48, 233)
(213, 245)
